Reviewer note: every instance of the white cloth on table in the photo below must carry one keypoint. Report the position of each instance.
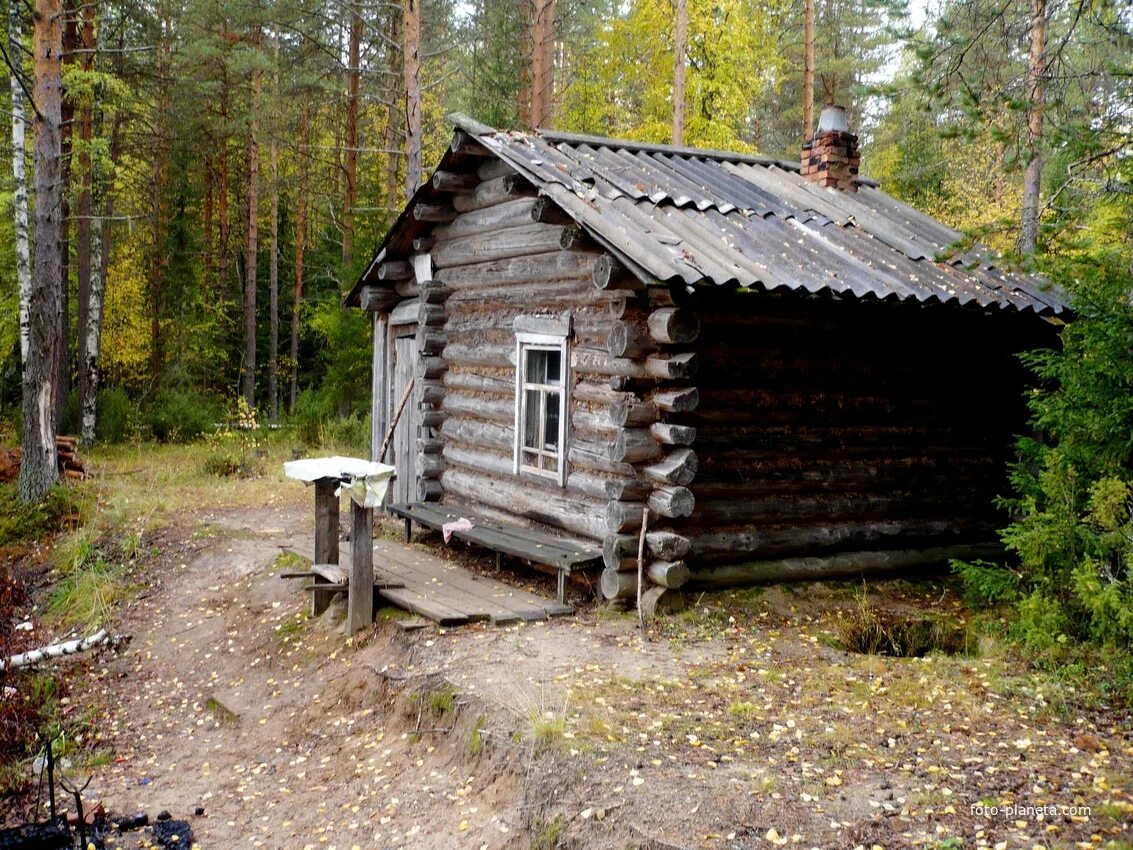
(365, 481)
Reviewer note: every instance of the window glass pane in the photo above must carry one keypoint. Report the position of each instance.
(536, 366)
(551, 432)
(554, 366)
(532, 400)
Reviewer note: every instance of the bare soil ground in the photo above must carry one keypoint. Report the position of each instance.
(738, 724)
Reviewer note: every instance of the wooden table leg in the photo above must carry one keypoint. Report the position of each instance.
(360, 596)
(326, 538)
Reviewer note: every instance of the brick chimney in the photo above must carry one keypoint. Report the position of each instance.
(830, 157)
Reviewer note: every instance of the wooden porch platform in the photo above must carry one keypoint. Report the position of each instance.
(443, 591)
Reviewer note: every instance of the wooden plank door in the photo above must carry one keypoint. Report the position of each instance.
(404, 448)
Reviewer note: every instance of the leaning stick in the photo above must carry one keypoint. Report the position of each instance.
(58, 650)
(396, 417)
(641, 564)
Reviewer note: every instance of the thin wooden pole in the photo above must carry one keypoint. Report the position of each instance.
(641, 564)
(396, 416)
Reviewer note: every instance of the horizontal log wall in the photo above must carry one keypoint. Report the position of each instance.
(499, 255)
(829, 427)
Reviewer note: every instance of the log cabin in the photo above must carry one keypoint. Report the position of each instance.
(797, 374)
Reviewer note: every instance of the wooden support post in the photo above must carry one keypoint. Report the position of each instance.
(326, 538)
(360, 596)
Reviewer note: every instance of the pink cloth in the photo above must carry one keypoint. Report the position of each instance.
(449, 528)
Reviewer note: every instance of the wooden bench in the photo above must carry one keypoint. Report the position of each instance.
(518, 542)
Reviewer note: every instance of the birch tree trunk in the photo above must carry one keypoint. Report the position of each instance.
(680, 46)
(19, 173)
(84, 227)
(253, 241)
(39, 471)
(351, 136)
(411, 75)
(1036, 97)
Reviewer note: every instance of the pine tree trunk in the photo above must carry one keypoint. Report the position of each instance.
(351, 136)
(19, 174)
(1036, 96)
(808, 71)
(543, 63)
(300, 246)
(159, 261)
(84, 247)
(524, 98)
(411, 75)
(273, 265)
(393, 119)
(680, 46)
(222, 223)
(250, 254)
(38, 470)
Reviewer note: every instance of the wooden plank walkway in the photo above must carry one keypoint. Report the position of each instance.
(446, 593)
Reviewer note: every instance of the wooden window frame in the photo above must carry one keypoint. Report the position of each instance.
(525, 342)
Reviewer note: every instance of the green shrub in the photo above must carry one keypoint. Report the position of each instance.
(319, 422)
(1073, 503)
(117, 416)
(985, 583)
(179, 415)
(23, 522)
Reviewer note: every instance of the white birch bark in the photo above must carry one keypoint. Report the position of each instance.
(93, 342)
(19, 174)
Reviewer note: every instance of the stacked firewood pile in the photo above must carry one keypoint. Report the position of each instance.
(67, 451)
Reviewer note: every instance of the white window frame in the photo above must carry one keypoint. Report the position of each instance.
(525, 342)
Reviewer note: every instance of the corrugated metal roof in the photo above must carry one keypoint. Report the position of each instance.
(672, 214)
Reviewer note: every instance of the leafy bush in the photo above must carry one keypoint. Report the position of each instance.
(1073, 503)
(180, 415)
(117, 416)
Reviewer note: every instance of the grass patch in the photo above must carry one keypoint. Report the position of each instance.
(86, 595)
(65, 506)
(548, 834)
(442, 701)
(291, 628)
(872, 632)
(476, 737)
(220, 711)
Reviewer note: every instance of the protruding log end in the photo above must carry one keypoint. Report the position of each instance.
(673, 325)
(671, 574)
(617, 585)
(673, 502)
(658, 601)
(677, 401)
(678, 467)
(675, 367)
(429, 490)
(610, 274)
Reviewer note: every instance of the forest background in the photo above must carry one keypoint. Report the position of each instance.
(212, 175)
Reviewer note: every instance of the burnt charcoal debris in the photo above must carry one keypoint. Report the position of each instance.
(136, 821)
(49, 835)
(173, 834)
